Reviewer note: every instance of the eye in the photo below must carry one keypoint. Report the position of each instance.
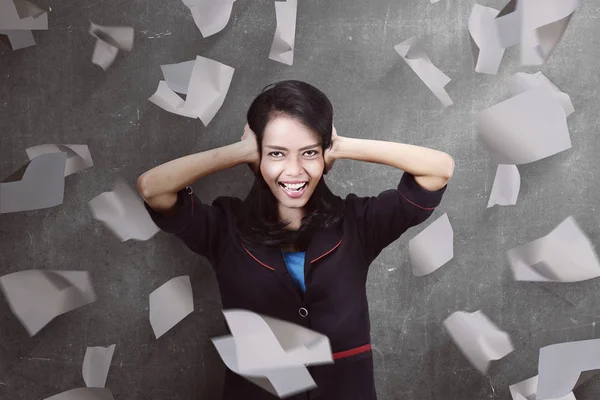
(273, 154)
(313, 153)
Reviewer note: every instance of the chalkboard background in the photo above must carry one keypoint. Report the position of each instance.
(51, 93)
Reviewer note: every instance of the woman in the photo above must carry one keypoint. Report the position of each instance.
(292, 249)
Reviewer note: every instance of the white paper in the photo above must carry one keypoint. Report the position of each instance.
(272, 353)
(561, 364)
(505, 189)
(525, 128)
(207, 87)
(282, 48)
(41, 185)
(22, 15)
(170, 303)
(411, 52)
(110, 39)
(564, 255)
(18, 39)
(478, 338)
(78, 155)
(522, 82)
(84, 394)
(527, 389)
(36, 297)
(432, 247)
(123, 212)
(96, 364)
(538, 25)
(210, 16)
(488, 50)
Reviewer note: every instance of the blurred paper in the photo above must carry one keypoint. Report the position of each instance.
(505, 189)
(564, 255)
(110, 39)
(487, 50)
(281, 382)
(17, 39)
(96, 364)
(36, 297)
(84, 394)
(39, 184)
(206, 87)
(210, 16)
(78, 155)
(123, 212)
(478, 338)
(272, 353)
(521, 82)
(170, 303)
(411, 52)
(282, 48)
(22, 15)
(525, 128)
(538, 25)
(263, 342)
(432, 247)
(560, 366)
(527, 389)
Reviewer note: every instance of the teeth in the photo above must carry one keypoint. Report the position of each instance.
(294, 186)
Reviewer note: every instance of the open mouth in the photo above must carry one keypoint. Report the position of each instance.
(293, 190)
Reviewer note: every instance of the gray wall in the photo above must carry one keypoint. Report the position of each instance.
(51, 93)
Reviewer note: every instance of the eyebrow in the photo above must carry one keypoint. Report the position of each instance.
(283, 148)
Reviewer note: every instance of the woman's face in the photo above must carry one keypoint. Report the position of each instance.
(292, 161)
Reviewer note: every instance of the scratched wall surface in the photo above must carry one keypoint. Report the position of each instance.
(51, 93)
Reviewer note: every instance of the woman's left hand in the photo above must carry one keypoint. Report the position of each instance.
(330, 154)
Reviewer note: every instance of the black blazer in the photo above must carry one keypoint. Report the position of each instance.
(337, 262)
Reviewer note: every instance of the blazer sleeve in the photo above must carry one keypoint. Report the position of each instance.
(381, 219)
(201, 227)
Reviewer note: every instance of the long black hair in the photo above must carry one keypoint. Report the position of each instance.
(258, 219)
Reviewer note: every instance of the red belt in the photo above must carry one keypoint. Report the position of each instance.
(352, 352)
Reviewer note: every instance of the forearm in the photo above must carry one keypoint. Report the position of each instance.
(416, 160)
(169, 178)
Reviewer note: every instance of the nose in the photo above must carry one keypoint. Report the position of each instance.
(293, 166)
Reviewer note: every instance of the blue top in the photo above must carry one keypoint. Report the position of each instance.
(294, 262)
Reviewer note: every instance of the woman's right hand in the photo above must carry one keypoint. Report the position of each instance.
(250, 137)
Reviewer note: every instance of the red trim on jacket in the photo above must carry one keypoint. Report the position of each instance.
(334, 247)
(352, 352)
(415, 204)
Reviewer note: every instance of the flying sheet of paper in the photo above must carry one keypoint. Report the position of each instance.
(110, 39)
(22, 15)
(433, 1)
(39, 184)
(526, 390)
(525, 128)
(560, 366)
(538, 25)
(84, 394)
(170, 303)
(78, 155)
(272, 353)
(410, 50)
(281, 382)
(487, 50)
(96, 364)
(521, 82)
(36, 297)
(505, 189)
(282, 48)
(123, 212)
(17, 39)
(478, 338)
(432, 247)
(266, 343)
(210, 16)
(564, 255)
(206, 88)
